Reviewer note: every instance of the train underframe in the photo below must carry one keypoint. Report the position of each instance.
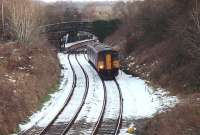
(109, 74)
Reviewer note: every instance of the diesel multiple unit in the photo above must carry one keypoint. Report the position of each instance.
(104, 59)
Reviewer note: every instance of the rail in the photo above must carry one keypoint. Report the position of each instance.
(82, 102)
(119, 119)
(44, 131)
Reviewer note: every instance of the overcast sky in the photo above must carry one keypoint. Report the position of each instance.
(78, 0)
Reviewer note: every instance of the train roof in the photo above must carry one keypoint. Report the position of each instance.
(100, 47)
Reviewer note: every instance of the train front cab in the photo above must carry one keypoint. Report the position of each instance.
(108, 64)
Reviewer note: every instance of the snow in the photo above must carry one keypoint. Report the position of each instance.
(113, 101)
(94, 100)
(77, 96)
(139, 100)
(77, 42)
(12, 80)
(50, 108)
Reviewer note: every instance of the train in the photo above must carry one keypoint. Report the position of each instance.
(104, 59)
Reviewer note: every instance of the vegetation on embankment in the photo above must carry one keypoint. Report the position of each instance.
(29, 67)
(181, 120)
(27, 75)
(163, 38)
(160, 43)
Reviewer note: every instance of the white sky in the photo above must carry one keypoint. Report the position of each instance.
(78, 0)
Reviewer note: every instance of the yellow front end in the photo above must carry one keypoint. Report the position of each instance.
(108, 62)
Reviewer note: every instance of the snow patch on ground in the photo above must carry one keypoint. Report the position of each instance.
(77, 42)
(50, 108)
(140, 100)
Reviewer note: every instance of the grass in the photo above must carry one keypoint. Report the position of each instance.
(46, 98)
(29, 90)
(52, 90)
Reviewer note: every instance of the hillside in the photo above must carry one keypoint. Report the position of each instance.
(27, 74)
(159, 41)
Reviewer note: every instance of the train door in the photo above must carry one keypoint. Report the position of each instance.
(108, 61)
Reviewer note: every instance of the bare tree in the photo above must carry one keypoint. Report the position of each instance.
(2, 17)
(23, 19)
(195, 16)
(193, 35)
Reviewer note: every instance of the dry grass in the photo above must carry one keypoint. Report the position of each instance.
(162, 38)
(184, 119)
(26, 75)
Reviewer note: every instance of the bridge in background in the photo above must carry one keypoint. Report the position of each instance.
(100, 28)
(58, 30)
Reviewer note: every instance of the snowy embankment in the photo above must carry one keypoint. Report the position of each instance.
(51, 107)
(139, 100)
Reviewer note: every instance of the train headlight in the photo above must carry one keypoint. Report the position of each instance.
(101, 65)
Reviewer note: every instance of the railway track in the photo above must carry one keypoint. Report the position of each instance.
(82, 102)
(50, 125)
(121, 108)
(44, 130)
(102, 110)
(104, 126)
(65, 128)
(107, 126)
(53, 128)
